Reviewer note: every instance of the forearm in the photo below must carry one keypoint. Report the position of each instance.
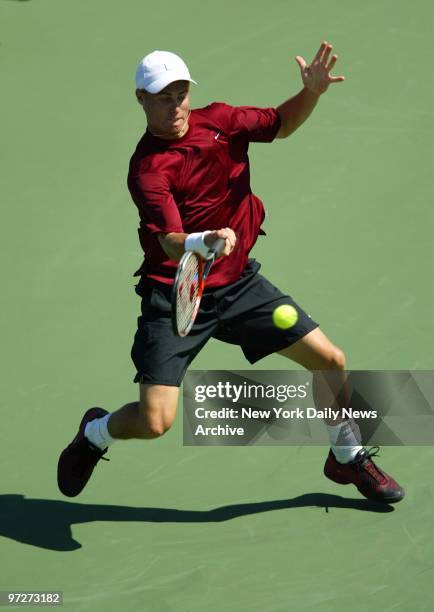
(294, 112)
(173, 244)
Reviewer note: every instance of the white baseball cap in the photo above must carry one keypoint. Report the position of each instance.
(159, 68)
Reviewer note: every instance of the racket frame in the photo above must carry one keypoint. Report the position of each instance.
(201, 283)
(204, 267)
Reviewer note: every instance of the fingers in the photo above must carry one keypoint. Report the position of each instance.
(330, 67)
(322, 57)
(332, 63)
(229, 235)
(325, 56)
(301, 62)
(320, 52)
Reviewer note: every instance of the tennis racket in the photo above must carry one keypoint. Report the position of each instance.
(189, 285)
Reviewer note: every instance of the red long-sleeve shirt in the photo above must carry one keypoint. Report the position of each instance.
(200, 182)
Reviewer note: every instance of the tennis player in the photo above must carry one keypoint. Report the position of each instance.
(190, 180)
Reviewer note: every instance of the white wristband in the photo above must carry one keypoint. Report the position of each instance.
(195, 242)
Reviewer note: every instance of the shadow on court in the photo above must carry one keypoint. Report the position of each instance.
(47, 523)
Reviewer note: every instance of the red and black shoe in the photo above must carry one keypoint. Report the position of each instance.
(77, 461)
(372, 482)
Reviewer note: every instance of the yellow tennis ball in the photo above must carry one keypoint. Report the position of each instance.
(285, 316)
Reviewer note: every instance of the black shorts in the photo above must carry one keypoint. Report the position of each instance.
(239, 313)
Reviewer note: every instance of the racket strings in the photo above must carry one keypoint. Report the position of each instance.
(187, 294)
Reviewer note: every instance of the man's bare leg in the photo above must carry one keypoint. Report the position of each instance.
(349, 463)
(315, 352)
(148, 418)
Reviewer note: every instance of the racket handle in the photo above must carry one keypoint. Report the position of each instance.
(216, 248)
(214, 252)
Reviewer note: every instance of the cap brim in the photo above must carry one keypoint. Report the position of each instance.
(165, 80)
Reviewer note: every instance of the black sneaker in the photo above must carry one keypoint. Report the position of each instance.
(77, 461)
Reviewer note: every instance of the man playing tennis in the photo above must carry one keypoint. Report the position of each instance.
(189, 178)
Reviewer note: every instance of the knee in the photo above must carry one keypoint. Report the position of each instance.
(153, 429)
(153, 423)
(333, 358)
(337, 359)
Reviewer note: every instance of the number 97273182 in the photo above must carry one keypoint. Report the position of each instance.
(32, 598)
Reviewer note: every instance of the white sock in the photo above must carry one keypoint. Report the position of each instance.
(345, 439)
(96, 432)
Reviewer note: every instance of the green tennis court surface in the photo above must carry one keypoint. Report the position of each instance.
(161, 527)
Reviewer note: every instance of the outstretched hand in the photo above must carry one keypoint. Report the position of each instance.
(316, 77)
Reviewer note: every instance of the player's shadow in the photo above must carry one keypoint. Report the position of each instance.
(47, 523)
